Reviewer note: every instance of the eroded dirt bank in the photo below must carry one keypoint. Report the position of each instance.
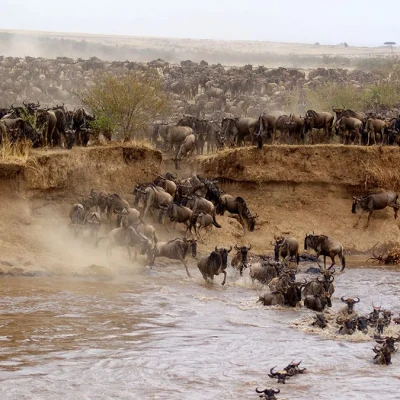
(293, 190)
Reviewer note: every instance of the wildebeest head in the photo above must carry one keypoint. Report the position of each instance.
(224, 255)
(362, 324)
(277, 246)
(350, 303)
(268, 394)
(294, 369)
(356, 203)
(193, 246)
(69, 138)
(281, 375)
(251, 222)
(243, 252)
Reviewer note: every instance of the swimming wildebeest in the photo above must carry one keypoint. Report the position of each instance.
(272, 299)
(350, 303)
(214, 264)
(176, 249)
(372, 202)
(321, 286)
(237, 205)
(268, 394)
(286, 247)
(316, 302)
(326, 247)
(239, 261)
(281, 375)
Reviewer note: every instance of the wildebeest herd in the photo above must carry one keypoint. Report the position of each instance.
(195, 203)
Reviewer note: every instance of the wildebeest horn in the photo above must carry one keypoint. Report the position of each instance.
(24, 103)
(358, 299)
(276, 391)
(230, 249)
(236, 247)
(272, 371)
(342, 298)
(249, 248)
(331, 278)
(260, 391)
(216, 248)
(319, 279)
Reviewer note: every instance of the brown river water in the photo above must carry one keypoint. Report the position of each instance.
(155, 334)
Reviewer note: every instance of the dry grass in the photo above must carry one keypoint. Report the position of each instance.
(377, 176)
(15, 152)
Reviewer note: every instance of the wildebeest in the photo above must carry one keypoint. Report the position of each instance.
(214, 264)
(325, 246)
(350, 128)
(350, 303)
(125, 237)
(77, 216)
(272, 299)
(239, 261)
(294, 369)
(153, 196)
(281, 375)
(198, 204)
(239, 129)
(178, 214)
(316, 302)
(319, 320)
(93, 222)
(116, 204)
(318, 120)
(321, 286)
(375, 126)
(383, 356)
(373, 202)
(200, 220)
(237, 205)
(263, 273)
(286, 247)
(175, 249)
(268, 394)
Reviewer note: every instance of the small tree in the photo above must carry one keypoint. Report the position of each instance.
(127, 102)
(390, 44)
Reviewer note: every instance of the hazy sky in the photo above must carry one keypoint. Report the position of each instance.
(357, 22)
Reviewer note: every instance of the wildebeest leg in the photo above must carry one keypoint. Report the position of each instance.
(333, 261)
(223, 282)
(186, 267)
(369, 217)
(358, 221)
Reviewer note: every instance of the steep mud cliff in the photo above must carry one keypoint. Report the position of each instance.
(294, 190)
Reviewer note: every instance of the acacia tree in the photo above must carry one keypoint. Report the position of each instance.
(127, 102)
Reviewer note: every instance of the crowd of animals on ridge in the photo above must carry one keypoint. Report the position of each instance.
(223, 106)
(195, 203)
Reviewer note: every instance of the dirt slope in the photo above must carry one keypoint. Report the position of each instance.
(294, 190)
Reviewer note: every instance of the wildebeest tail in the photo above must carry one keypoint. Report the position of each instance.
(343, 260)
(215, 223)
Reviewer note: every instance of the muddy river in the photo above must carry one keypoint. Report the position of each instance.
(155, 334)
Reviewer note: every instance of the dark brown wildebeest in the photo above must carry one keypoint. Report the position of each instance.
(281, 125)
(286, 247)
(316, 302)
(268, 394)
(176, 249)
(266, 123)
(153, 196)
(321, 286)
(214, 264)
(318, 120)
(116, 204)
(239, 261)
(281, 375)
(237, 205)
(326, 247)
(294, 369)
(319, 320)
(168, 185)
(350, 303)
(383, 355)
(376, 201)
